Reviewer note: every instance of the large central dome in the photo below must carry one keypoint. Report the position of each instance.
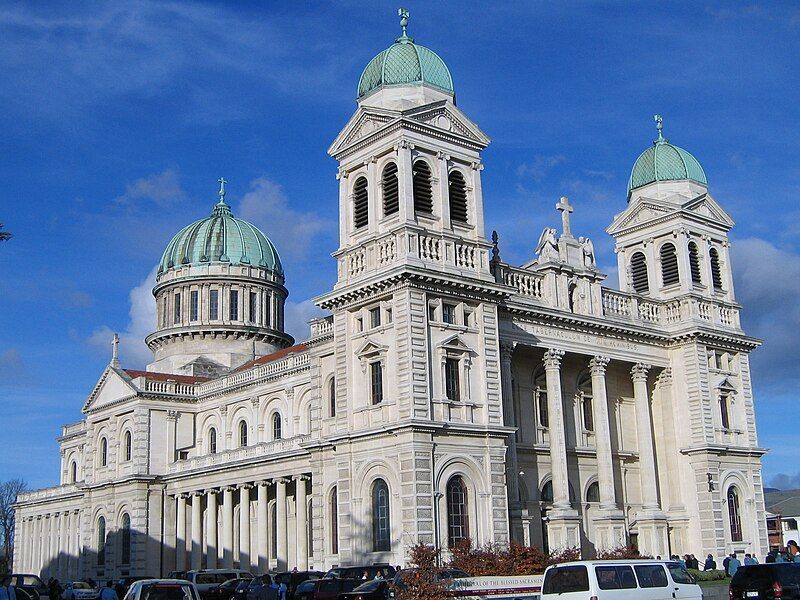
(405, 63)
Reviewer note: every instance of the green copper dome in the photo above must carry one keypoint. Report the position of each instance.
(665, 162)
(405, 63)
(221, 238)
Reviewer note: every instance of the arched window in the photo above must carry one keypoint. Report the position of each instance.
(101, 542)
(360, 203)
(103, 452)
(733, 515)
(457, 516)
(212, 441)
(333, 501)
(125, 539)
(332, 397)
(593, 492)
(457, 188)
(716, 272)
(276, 426)
(694, 264)
(639, 279)
(391, 193)
(73, 472)
(423, 195)
(546, 495)
(585, 397)
(242, 433)
(669, 265)
(381, 532)
(128, 445)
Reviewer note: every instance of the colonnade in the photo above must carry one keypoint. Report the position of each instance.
(49, 544)
(208, 536)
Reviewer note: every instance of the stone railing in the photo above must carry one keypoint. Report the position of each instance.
(453, 253)
(321, 326)
(626, 306)
(292, 361)
(50, 493)
(173, 388)
(73, 429)
(526, 283)
(260, 450)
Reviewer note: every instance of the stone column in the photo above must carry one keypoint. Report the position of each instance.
(197, 530)
(651, 522)
(180, 536)
(302, 522)
(280, 506)
(52, 548)
(63, 554)
(227, 528)
(21, 554)
(610, 523)
(212, 545)
(563, 525)
(510, 420)
(263, 529)
(244, 527)
(33, 565)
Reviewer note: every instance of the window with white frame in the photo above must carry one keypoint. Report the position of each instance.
(375, 317)
(452, 379)
(376, 381)
(449, 313)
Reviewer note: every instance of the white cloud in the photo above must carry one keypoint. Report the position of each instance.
(142, 321)
(296, 318)
(162, 188)
(267, 207)
(539, 167)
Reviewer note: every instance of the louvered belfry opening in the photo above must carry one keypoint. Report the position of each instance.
(641, 285)
(458, 197)
(360, 203)
(694, 264)
(391, 192)
(423, 196)
(669, 265)
(716, 272)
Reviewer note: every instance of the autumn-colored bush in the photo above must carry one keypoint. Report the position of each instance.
(420, 581)
(514, 559)
(623, 552)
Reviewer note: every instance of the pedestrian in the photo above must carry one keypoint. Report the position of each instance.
(792, 550)
(750, 560)
(108, 592)
(7, 591)
(710, 563)
(695, 562)
(733, 565)
(282, 589)
(725, 563)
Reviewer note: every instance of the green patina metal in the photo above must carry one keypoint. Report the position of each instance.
(405, 63)
(221, 237)
(665, 162)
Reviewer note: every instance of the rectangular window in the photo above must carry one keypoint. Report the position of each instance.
(375, 317)
(468, 318)
(651, 576)
(253, 307)
(177, 312)
(431, 313)
(265, 320)
(376, 382)
(194, 305)
(234, 305)
(448, 313)
(588, 417)
(213, 305)
(615, 578)
(165, 311)
(451, 379)
(544, 420)
(564, 580)
(723, 411)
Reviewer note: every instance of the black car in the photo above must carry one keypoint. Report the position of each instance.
(294, 578)
(226, 590)
(365, 573)
(255, 586)
(325, 589)
(31, 584)
(762, 582)
(377, 589)
(243, 587)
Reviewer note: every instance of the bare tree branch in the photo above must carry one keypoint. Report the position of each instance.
(8, 496)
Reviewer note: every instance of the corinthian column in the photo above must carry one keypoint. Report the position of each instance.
(197, 530)
(262, 518)
(227, 528)
(605, 465)
(280, 507)
(302, 522)
(180, 541)
(244, 527)
(212, 545)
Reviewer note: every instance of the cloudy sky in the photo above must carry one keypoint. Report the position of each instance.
(119, 117)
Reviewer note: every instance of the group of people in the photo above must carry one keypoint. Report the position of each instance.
(790, 554)
(731, 563)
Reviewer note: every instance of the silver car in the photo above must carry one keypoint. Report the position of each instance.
(162, 589)
(79, 590)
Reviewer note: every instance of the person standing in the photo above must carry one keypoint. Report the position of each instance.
(749, 560)
(793, 551)
(7, 591)
(710, 563)
(733, 565)
(108, 592)
(726, 561)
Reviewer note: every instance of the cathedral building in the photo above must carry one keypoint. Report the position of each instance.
(448, 395)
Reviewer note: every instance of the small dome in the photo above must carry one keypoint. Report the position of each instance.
(221, 238)
(405, 63)
(665, 162)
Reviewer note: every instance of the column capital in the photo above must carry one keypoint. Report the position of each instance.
(245, 486)
(552, 358)
(639, 372)
(265, 483)
(301, 477)
(229, 489)
(598, 364)
(506, 350)
(173, 415)
(280, 480)
(197, 493)
(665, 377)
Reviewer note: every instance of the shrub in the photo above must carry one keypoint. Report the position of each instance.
(514, 559)
(420, 583)
(623, 552)
(713, 575)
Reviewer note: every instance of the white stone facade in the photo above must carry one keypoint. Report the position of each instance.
(448, 394)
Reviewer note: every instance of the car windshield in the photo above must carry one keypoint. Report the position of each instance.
(81, 585)
(167, 591)
(567, 579)
(306, 586)
(370, 586)
(679, 573)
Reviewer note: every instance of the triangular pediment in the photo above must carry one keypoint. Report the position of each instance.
(112, 387)
(371, 348)
(445, 116)
(455, 343)
(644, 211)
(726, 385)
(706, 207)
(640, 212)
(365, 121)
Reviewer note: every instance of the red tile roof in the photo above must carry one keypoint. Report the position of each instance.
(272, 357)
(165, 376)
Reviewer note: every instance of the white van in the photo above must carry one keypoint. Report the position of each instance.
(619, 580)
(205, 579)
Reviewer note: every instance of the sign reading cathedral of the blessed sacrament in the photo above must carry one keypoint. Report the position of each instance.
(449, 395)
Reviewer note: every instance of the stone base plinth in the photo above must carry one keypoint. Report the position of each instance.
(653, 536)
(563, 529)
(610, 533)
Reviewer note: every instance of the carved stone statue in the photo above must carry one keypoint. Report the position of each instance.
(588, 252)
(547, 248)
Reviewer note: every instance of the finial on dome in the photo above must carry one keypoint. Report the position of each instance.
(221, 208)
(115, 351)
(659, 126)
(222, 181)
(404, 15)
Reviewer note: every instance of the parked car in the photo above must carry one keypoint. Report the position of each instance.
(363, 573)
(205, 579)
(80, 590)
(241, 590)
(772, 580)
(177, 575)
(325, 589)
(31, 584)
(294, 578)
(123, 584)
(377, 589)
(162, 589)
(619, 580)
(257, 583)
(226, 590)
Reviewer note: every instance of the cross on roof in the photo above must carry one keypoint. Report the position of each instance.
(222, 181)
(565, 207)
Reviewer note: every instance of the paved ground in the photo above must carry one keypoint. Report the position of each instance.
(715, 592)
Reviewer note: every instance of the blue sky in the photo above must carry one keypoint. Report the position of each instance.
(118, 118)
